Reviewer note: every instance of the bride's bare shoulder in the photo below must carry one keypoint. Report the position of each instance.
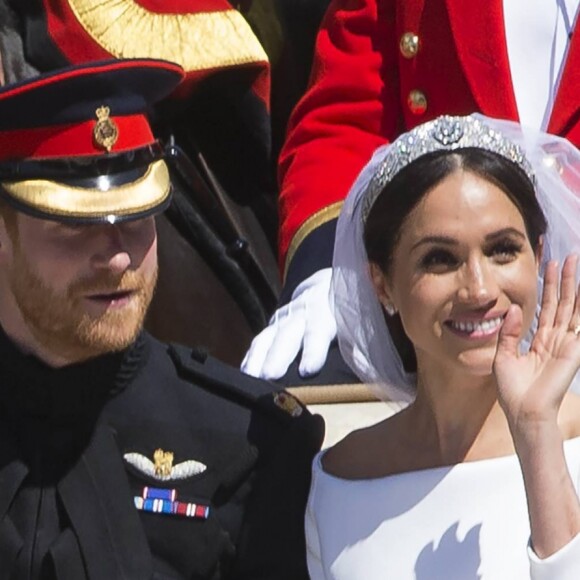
(360, 454)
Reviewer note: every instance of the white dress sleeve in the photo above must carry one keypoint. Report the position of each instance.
(314, 560)
(562, 565)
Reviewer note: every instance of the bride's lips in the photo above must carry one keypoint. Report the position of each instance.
(476, 327)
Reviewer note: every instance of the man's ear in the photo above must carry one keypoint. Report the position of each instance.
(5, 240)
(381, 286)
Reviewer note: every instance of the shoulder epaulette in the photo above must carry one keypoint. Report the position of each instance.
(227, 381)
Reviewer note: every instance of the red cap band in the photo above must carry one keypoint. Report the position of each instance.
(73, 140)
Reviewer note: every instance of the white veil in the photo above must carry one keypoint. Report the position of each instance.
(364, 339)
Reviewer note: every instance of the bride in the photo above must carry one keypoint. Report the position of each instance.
(453, 293)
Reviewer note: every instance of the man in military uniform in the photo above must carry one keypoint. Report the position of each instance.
(120, 456)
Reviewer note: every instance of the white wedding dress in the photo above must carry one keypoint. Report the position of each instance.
(467, 521)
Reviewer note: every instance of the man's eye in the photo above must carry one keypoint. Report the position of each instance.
(72, 228)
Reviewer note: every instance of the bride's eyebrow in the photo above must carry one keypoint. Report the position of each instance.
(505, 231)
(446, 240)
(449, 241)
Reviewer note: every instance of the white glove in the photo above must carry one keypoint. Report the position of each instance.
(306, 322)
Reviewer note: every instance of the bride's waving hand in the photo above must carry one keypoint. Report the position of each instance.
(531, 386)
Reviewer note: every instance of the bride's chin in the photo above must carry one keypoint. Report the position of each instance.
(477, 364)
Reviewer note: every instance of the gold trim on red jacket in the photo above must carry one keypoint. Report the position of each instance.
(199, 41)
(319, 218)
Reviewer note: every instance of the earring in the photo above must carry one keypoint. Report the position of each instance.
(391, 310)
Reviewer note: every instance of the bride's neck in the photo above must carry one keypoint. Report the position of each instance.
(457, 418)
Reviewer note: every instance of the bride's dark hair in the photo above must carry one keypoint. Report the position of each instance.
(411, 184)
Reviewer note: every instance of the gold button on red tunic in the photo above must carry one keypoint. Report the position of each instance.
(409, 45)
(417, 102)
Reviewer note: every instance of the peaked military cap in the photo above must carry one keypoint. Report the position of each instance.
(76, 144)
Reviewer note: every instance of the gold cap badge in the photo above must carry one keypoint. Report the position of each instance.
(106, 131)
(288, 403)
(163, 462)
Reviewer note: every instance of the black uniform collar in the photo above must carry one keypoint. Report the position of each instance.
(30, 387)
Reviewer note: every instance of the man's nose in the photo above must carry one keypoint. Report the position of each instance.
(478, 283)
(113, 253)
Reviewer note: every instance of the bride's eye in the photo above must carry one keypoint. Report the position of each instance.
(438, 260)
(505, 251)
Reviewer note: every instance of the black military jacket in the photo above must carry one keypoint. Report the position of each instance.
(83, 493)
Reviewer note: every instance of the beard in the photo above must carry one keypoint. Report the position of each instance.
(60, 322)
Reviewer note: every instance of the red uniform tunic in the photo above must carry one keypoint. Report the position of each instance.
(368, 86)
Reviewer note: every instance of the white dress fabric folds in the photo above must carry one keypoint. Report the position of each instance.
(466, 522)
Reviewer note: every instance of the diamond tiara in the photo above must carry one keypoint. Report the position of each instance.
(442, 134)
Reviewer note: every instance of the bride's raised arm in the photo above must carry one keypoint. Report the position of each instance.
(531, 389)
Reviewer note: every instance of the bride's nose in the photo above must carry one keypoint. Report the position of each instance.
(478, 284)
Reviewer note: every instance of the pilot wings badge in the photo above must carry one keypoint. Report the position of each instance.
(162, 468)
